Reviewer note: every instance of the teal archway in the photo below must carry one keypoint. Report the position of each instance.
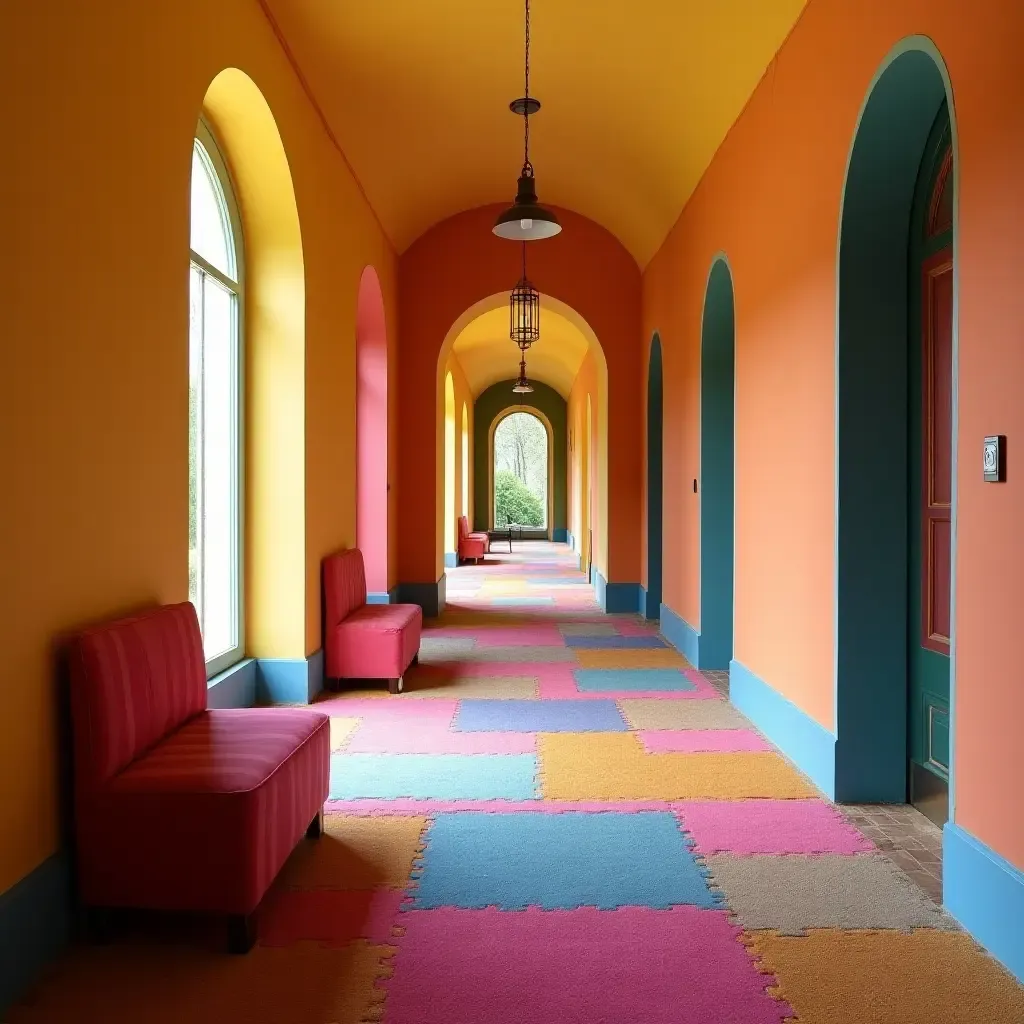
(651, 596)
(717, 448)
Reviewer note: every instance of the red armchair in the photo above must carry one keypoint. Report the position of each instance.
(365, 641)
(471, 545)
(177, 807)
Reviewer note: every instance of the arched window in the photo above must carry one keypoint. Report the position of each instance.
(215, 407)
(521, 472)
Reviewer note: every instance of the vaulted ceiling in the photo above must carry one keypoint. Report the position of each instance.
(487, 356)
(636, 97)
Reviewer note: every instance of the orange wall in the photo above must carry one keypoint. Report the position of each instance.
(770, 201)
(456, 264)
(94, 271)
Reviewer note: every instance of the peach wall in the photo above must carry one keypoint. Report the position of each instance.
(770, 200)
(460, 262)
(94, 266)
(586, 457)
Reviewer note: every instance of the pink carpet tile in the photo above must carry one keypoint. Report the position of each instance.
(694, 741)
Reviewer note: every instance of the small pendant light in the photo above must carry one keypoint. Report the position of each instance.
(526, 220)
(524, 311)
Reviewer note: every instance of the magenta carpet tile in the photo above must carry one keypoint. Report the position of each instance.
(697, 741)
(749, 827)
(586, 966)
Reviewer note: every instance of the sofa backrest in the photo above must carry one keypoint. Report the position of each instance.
(463, 527)
(344, 585)
(133, 681)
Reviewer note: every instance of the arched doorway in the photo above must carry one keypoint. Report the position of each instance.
(895, 410)
(652, 596)
(372, 434)
(521, 471)
(450, 552)
(717, 432)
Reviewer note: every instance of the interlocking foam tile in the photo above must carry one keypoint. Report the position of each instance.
(432, 734)
(432, 808)
(791, 894)
(771, 826)
(628, 966)
(522, 654)
(643, 713)
(609, 766)
(433, 777)
(505, 636)
(445, 648)
(624, 679)
(521, 600)
(665, 657)
(357, 852)
(587, 629)
(559, 861)
(488, 687)
(889, 978)
(341, 730)
(637, 643)
(168, 984)
(334, 917)
(570, 716)
(695, 741)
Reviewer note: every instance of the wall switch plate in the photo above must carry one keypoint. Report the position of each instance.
(995, 459)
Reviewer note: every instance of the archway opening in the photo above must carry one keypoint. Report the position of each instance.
(450, 512)
(717, 452)
(372, 432)
(895, 410)
(521, 461)
(655, 414)
(465, 462)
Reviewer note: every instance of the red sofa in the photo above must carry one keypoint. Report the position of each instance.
(471, 545)
(177, 807)
(365, 641)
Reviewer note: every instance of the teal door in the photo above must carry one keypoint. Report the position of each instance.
(931, 482)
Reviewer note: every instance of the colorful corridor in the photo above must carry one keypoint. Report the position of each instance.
(558, 821)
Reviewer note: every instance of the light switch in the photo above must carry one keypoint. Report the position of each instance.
(995, 459)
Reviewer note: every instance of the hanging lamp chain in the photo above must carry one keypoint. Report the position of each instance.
(527, 166)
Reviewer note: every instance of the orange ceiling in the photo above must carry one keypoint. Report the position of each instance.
(487, 356)
(637, 96)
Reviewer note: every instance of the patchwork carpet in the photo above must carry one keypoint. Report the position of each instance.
(559, 821)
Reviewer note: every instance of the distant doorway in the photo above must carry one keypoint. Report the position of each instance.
(655, 415)
(521, 472)
(717, 434)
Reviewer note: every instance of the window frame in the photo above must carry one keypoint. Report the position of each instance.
(226, 187)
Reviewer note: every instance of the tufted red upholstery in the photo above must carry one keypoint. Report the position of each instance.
(471, 545)
(362, 641)
(177, 807)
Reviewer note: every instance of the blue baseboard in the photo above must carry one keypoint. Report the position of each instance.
(616, 598)
(35, 925)
(429, 596)
(985, 893)
(810, 746)
(650, 610)
(680, 634)
(289, 680)
(560, 535)
(235, 687)
(451, 560)
(570, 539)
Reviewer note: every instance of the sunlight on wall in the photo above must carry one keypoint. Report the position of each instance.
(465, 461)
(449, 463)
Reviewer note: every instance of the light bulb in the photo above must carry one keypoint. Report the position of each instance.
(526, 224)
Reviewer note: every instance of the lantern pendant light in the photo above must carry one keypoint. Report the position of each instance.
(522, 386)
(526, 220)
(524, 311)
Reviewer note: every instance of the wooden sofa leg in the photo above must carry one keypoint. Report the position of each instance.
(395, 685)
(241, 933)
(316, 826)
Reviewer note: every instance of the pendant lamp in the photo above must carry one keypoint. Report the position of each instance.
(524, 311)
(526, 220)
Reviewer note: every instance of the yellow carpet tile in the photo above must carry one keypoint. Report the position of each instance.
(502, 687)
(357, 853)
(645, 713)
(157, 984)
(614, 766)
(888, 977)
(624, 657)
(341, 729)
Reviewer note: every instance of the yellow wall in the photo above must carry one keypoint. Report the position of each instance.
(462, 397)
(585, 485)
(94, 267)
